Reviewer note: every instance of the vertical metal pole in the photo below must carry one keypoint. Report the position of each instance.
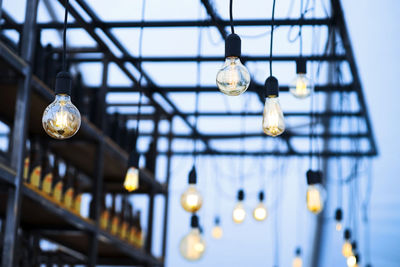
(1, 8)
(22, 106)
(150, 217)
(101, 97)
(166, 200)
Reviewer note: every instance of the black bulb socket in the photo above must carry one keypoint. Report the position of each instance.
(338, 215)
(233, 46)
(261, 196)
(358, 259)
(217, 221)
(192, 176)
(298, 252)
(314, 177)
(134, 159)
(240, 196)
(301, 66)
(271, 87)
(347, 234)
(194, 221)
(63, 83)
(354, 245)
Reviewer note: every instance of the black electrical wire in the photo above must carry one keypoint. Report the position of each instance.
(272, 37)
(64, 64)
(231, 16)
(301, 28)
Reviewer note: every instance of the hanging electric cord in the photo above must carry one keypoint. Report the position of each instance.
(272, 37)
(64, 63)
(231, 16)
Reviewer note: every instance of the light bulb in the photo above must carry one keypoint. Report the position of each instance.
(301, 86)
(351, 261)
(347, 249)
(260, 212)
(217, 232)
(192, 246)
(131, 182)
(191, 199)
(338, 226)
(315, 198)
(233, 78)
(273, 122)
(239, 213)
(61, 119)
(297, 262)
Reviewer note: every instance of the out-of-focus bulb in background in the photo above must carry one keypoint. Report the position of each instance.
(347, 249)
(351, 261)
(297, 262)
(192, 246)
(260, 212)
(315, 198)
(239, 213)
(61, 119)
(217, 232)
(233, 78)
(273, 122)
(301, 86)
(338, 226)
(191, 199)
(131, 182)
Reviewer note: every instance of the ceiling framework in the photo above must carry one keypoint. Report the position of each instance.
(161, 104)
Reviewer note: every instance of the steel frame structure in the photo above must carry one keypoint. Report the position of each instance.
(80, 55)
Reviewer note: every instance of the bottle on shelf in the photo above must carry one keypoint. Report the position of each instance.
(114, 217)
(132, 226)
(105, 214)
(139, 231)
(35, 166)
(77, 201)
(69, 187)
(124, 219)
(58, 183)
(47, 173)
(26, 161)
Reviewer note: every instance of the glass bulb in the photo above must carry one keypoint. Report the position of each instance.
(315, 198)
(351, 261)
(61, 119)
(297, 262)
(273, 121)
(131, 182)
(239, 213)
(260, 213)
(192, 246)
(217, 232)
(347, 249)
(191, 199)
(233, 78)
(338, 226)
(301, 86)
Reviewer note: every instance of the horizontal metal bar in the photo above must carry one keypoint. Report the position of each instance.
(213, 58)
(180, 23)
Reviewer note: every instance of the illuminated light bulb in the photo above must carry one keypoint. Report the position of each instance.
(301, 86)
(192, 246)
(217, 231)
(297, 261)
(131, 182)
(351, 261)
(273, 122)
(191, 199)
(61, 119)
(338, 219)
(347, 249)
(315, 192)
(233, 78)
(260, 212)
(239, 213)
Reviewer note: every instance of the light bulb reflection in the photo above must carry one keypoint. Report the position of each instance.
(315, 202)
(260, 213)
(273, 122)
(192, 246)
(239, 213)
(131, 182)
(191, 199)
(301, 86)
(233, 78)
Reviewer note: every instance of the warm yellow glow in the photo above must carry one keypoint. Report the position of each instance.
(191, 199)
(351, 261)
(217, 232)
(233, 78)
(338, 226)
(131, 182)
(273, 121)
(297, 262)
(301, 87)
(347, 249)
(239, 213)
(192, 246)
(315, 202)
(260, 213)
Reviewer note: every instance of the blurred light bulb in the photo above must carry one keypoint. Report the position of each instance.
(297, 262)
(315, 198)
(338, 226)
(260, 213)
(239, 213)
(347, 249)
(61, 119)
(191, 199)
(273, 121)
(192, 246)
(217, 232)
(351, 261)
(233, 78)
(131, 182)
(301, 86)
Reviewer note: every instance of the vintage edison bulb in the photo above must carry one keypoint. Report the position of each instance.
(239, 213)
(297, 262)
(61, 119)
(301, 86)
(351, 261)
(191, 199)
(192, 246)
(217, 232)
(315, 198)
(338, 226)
(233, 78)
(131, 182)
(260, 213)
(273, 122)
(347, 249)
